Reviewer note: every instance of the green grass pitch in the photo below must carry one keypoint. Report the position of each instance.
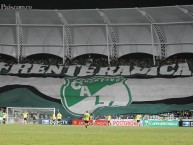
(94, 135)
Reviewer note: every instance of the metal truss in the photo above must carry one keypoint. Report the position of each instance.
(186, 11)
(67, 38)
(162, 53)
(19, 33)
(114, 51)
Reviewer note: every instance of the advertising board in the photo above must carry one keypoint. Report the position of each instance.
(171, 123)
(91, 122)
(124, 122)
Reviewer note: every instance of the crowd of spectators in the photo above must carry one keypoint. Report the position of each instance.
(91, 60)
(46, 59)
(100, 60)
(7, 59)
(140, 62)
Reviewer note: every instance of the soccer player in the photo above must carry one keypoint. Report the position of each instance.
(138, 118)
(86, 119)
(109, 120)
(59, 117)
(25, 115)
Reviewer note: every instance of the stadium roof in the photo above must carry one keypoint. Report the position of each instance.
(132, 30)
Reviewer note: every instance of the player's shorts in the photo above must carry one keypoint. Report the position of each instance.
(138, 121)
(25, 119)
(86, 121)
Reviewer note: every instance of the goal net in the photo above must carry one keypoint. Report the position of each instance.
(35, 115)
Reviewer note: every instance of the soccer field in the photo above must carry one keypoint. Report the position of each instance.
(94, 135)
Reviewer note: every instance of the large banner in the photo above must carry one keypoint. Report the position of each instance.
(114, 95)
(27, 85)
(99, 95)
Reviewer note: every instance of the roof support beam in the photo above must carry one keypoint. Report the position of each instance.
(162, 52)
(186, 11)
(113, 49)
(67, 38)
(19, 33)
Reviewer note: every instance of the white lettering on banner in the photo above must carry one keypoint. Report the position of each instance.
(4, 66)
(54, 69)
(164, 70)
(181, 69)
(85, 91)
(152, 71)
(20, 68)
(86, 71)
(76, 85)
(70, 71)
(123, 122)
(139, 70)
(102, 71)
(123, 70)
(38, 69)
(110, 71)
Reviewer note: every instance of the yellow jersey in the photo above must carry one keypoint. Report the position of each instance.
(4, 115)
(87, 116)
(138, 117)
(53, 116)
(25, 114)
(59, 116)
(109, 118)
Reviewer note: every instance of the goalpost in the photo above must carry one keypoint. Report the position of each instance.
(35, 115)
